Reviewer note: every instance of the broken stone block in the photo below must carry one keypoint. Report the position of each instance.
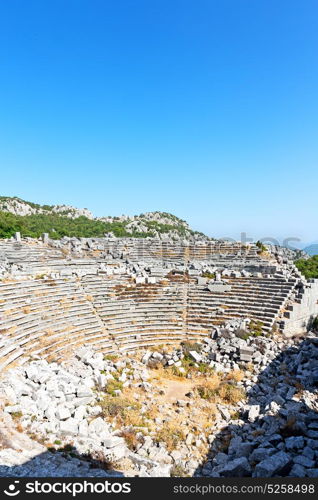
(69, 427)
(196, 356)
(253, 413)
(62, 413)
(246, 353)
(276, 464)
(239, 467)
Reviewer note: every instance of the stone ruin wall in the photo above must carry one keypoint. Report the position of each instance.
(64, 294)
(300, 314)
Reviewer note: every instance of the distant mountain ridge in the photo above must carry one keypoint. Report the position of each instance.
(312, 249)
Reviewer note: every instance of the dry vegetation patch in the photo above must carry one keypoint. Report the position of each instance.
(220, 391)
(171, 435)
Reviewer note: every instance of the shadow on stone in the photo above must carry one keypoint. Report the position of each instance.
(62, 463)
(276, 432)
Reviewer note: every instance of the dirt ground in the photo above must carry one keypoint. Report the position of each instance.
(175, 389)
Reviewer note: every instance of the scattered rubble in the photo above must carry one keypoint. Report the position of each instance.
(68, 407)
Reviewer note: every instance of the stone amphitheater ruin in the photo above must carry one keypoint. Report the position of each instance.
(127, 294)
(119, 296)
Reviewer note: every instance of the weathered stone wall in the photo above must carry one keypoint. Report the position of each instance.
(299, 316)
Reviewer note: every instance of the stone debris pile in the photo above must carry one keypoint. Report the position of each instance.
(272, 430)
(60, 405)
(276, 434)
(228, 348)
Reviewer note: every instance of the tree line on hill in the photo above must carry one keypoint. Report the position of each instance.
(58, 226)
(308, 267)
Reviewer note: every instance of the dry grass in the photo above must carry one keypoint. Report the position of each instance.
(111, 357)
(96, 253)
(37, 438)
(171, 434)
(26, 310)
(16, 415)
(160, 372)
(178, 471)
(208, 416)
(160, 348)
(68, 328)
(217, 390)
(131, 439)
(152, 413)
(208, 388)
(19, 428)
(124, 409)
(230, 394)
(235, 376)
(250, 367)
(132, 418)
(7, 312)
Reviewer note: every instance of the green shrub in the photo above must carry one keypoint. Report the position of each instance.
(190, 346)
(308, 267)
(255, 328)
(262, 248)
(114, 385)
(208, 275)
(315, 324)
(16, 415)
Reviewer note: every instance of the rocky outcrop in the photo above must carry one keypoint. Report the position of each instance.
(20, 207)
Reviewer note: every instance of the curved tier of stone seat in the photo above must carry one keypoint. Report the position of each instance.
(134, 248)
(58, 266)
(256, 298)
(152, 248)
(15, 252)
(145, 249)
(49, 317)
(142, 314)
(45, 317)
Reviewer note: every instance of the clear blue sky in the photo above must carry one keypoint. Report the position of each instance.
(205, 108)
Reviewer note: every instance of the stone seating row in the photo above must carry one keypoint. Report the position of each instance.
(50, 317)
(48, 323)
